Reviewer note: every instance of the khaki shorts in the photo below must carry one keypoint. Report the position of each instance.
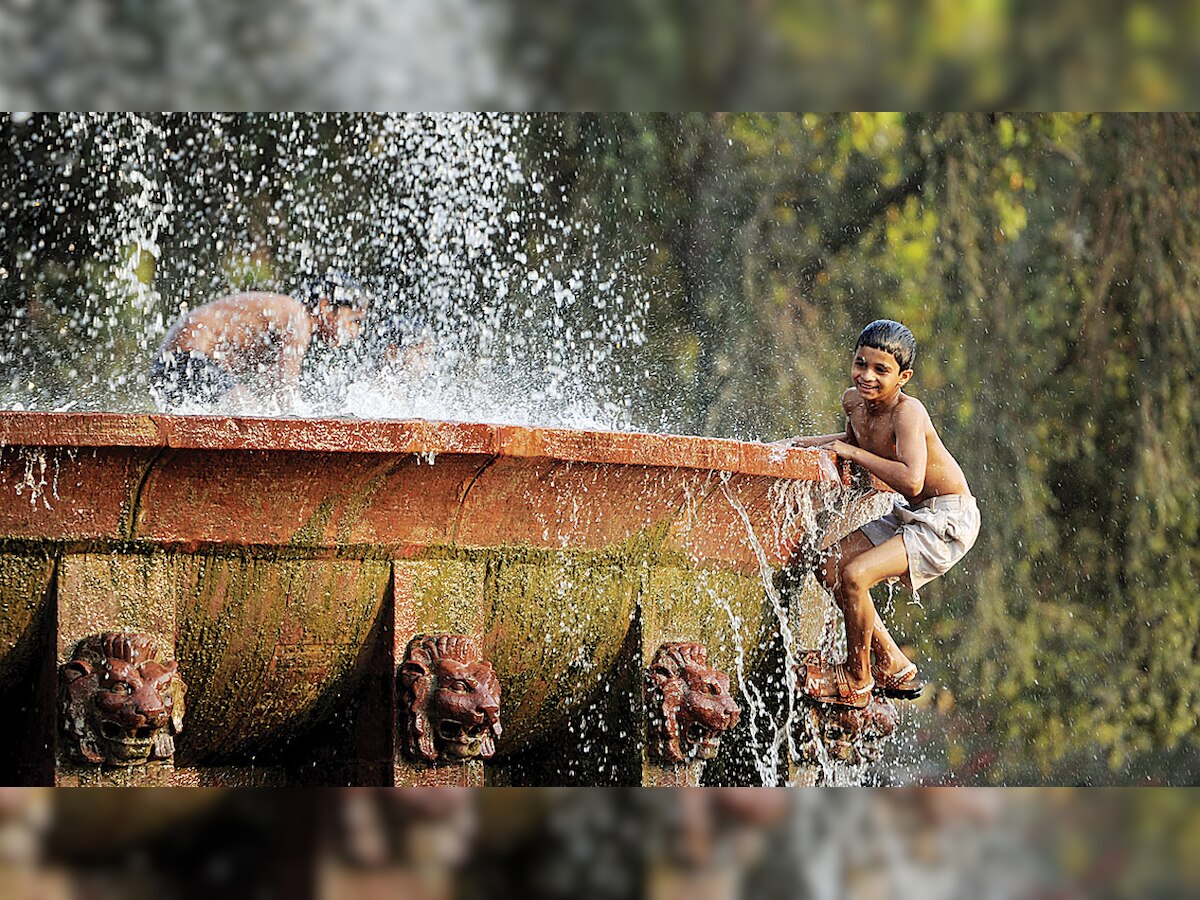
(937, 533)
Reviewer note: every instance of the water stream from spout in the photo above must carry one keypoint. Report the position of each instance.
(806, 509)
(784, 730)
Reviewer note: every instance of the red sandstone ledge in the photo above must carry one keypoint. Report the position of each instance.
(79, 430)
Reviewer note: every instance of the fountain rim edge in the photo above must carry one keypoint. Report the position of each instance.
(82, 430)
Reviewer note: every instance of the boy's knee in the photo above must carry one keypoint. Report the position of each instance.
(854, 578)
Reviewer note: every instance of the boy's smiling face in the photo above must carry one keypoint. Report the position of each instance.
(876, 374)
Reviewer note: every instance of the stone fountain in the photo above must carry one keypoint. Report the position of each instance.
(237, 601)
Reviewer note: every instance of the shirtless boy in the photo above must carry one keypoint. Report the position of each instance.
(937, 521)
(252, 340)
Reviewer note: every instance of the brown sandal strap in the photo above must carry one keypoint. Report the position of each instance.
(897, 679)
(841, 681)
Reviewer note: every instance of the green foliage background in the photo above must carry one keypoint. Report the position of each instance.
(1049, 266)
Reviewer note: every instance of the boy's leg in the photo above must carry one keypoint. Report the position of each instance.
(858, 570)
(853, 596)
(889, 658)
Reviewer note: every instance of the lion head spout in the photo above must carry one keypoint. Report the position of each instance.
(854, 736)
(450, 699)
(689, 704)
(121, 702)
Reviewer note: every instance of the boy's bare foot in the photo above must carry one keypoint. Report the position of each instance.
(897, 680)
(833, 685)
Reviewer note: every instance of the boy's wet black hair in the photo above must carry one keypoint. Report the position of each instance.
(890, 337)
(341, 288)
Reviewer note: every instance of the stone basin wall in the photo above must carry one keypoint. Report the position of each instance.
(287, 564)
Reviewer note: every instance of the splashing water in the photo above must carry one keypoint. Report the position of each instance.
(35, 473)
(446, 219)
(769, 763)
(807, 509)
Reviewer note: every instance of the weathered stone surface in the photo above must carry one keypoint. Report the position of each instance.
(189, 479)
(725, 611)
(38, 429)
(556, 628)
(439, 596)
(552, 624)
(100, 592)
(313, 499)
(24, 585)
(851, 736)
(27, 666)
(64, 493)
(272, 647)
(470, 773)
(77, 430)
(556, 504)
(262, 550)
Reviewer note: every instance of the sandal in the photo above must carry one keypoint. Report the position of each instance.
(854, 698)
(902, 685)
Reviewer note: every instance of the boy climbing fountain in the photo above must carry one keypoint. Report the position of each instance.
(932, 525)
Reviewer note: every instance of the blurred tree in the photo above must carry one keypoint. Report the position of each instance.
(1048, 267)
(797, 54)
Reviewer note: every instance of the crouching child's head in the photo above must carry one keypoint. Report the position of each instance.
(338, 303)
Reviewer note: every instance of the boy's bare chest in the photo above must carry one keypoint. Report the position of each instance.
(874, 433)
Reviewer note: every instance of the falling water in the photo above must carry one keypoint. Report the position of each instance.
(447, 219)
(769, 764)
(805, 508)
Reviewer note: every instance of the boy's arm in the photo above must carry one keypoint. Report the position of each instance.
(820, 440)
(905, 473)
(813, 441)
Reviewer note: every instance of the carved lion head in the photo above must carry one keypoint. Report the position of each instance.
(451, 699)
(122, 704)
(689, 703)
(853, 736)
(857, 736)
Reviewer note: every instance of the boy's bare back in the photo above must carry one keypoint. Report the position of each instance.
(242, 331)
